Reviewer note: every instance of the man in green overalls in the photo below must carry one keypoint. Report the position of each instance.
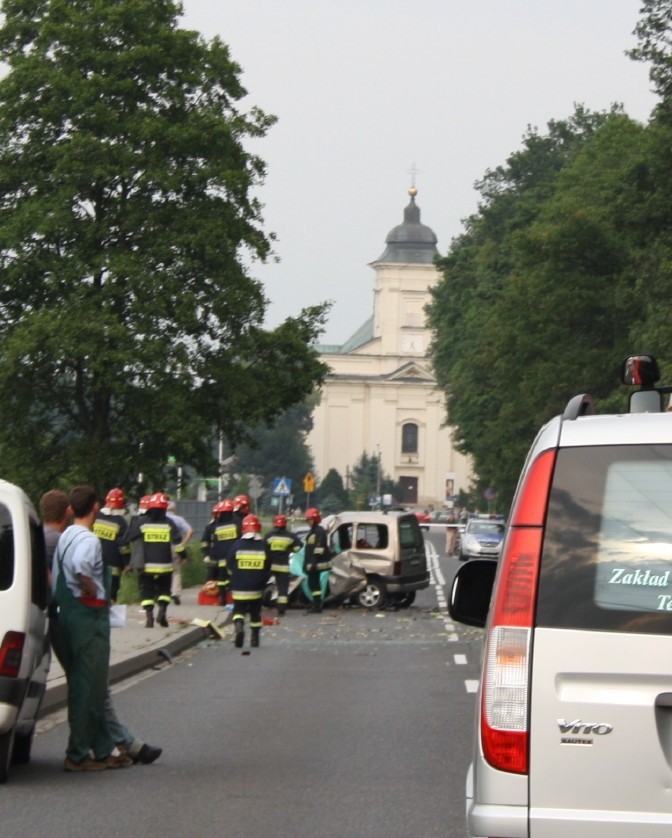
(82, 594)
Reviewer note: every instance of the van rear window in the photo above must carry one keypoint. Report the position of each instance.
(6, 549)
(607, 556)
(410, 534)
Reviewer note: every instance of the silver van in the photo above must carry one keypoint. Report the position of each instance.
(24, 641)
(391, 548)
(573, 733)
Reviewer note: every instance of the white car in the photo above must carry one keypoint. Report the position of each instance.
(573, 733)
(24, 641)
(482, 538)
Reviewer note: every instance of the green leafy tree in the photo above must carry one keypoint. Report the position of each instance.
(537, 303)
(366, 477)
(333, 490)
(280, 450)
(130, 327)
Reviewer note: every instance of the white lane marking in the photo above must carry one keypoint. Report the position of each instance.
(472, 686)
(460, 659)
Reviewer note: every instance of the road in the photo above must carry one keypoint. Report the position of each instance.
(349, 723)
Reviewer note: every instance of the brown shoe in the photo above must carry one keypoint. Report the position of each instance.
(117, 761)
(87, 764)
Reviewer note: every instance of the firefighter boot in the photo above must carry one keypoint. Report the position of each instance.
(317, 605)
(161, 619)
(149, 620)
(254, 639)
(240, 634)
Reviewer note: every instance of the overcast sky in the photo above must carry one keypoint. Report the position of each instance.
(367, 89)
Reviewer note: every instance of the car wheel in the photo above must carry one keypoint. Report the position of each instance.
(6, 748)
(374, 594)
(23, 744)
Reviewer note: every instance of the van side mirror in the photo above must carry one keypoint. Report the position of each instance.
(471, 592)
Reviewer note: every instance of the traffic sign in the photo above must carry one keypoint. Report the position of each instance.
(282, 486)
(309, 483)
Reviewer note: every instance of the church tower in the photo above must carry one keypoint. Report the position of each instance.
(381, 395)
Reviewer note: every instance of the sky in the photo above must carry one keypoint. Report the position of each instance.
(369, 91)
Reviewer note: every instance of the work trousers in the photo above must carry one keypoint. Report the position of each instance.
(155, 587)
(241, 607)
(84, 650)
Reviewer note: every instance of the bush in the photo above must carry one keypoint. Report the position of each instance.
(193, 573)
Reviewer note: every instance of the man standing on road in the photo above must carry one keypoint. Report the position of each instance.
(317, 557)
(84, 637)
(250, 569)
(56, 513)
(281, 543)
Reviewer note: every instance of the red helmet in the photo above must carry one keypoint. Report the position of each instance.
(159, 500)
(115, 499)
(314, 514)
(142, 503)
(241, 503)
(225, 505)
(251, 524)
(280, 521)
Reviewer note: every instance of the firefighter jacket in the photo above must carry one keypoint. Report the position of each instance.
(159, 539)
(249, 568)
(219, 537)
(317, 555)
(281, 543)
(111, 527)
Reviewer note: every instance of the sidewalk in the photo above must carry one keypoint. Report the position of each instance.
(135, 647)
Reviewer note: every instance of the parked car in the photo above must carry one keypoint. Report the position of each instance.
(389, 546)
(573, 733)
(481, 538)
(24, 642)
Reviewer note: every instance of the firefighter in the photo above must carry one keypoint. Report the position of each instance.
(281, 543)
(218, 539)
(110, 526)
(241, 508)
(159, 536)
(250, 567)
(317, 557)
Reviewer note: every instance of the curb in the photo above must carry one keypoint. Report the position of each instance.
(56, 696)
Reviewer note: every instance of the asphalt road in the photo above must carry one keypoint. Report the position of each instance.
(349, 723)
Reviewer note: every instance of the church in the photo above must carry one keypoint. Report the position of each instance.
(381, 397)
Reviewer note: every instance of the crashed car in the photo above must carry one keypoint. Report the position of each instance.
(341, 583)
(389, 546)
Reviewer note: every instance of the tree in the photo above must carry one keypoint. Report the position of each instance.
(130, 327)
(537, 300)
(368, 479)
(332, 495)
(280, 450)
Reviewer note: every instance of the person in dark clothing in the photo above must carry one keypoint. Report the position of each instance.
(317, 557)
(110, 526)
(281, 543)
(159, 537)
(241, 508)
(250, 567)
(217, 542)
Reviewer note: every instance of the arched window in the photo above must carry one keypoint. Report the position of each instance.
(409, 438)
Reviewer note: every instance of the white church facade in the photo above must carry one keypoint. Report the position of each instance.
(381, 396)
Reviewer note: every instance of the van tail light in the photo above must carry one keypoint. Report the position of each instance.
(506, 674)
(10, 653)
(396, 568)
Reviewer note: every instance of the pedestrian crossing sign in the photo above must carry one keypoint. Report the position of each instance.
(282, 486)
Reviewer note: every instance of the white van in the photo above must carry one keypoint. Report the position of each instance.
(573, 733)
(24, 641)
